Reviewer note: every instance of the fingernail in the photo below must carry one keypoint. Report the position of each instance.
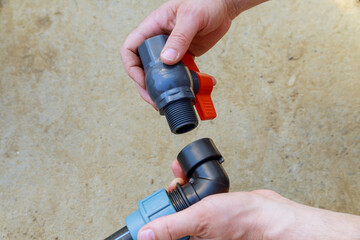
(147, 234)
(170, 54)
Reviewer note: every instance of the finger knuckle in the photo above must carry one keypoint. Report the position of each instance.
(180, 38)
(266, 192)
(203, 216)
(170, 231)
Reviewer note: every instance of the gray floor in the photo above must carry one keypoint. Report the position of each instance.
(78, 147)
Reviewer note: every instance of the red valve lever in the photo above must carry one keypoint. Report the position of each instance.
(203, 104)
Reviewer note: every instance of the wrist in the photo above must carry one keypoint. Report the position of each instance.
(304, 222)
(336, 226)
(235, 7)
(232, 8)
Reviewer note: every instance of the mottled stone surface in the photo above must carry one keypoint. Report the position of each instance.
(78, 147)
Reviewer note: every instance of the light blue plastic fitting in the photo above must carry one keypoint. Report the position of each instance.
(154, 206)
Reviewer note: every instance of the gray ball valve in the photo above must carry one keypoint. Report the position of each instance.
(176, 88)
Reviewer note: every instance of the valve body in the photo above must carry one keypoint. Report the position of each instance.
(176, 88)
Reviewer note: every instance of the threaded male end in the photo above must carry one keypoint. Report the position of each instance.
(181, 116)
(178, 199)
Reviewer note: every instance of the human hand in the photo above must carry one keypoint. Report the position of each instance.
(194, 26)
(260, 214)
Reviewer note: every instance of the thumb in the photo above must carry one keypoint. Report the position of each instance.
(172, 227)
(180, 39)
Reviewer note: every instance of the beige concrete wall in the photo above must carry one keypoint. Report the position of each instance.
(78, 147)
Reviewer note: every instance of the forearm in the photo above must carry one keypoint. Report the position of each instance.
(337, 226)
(313, 223)
(235, 7)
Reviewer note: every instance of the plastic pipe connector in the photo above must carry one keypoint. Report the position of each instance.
(176, 88)
(154, 206)
(201, 162)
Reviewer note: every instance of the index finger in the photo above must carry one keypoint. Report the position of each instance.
(177, 170)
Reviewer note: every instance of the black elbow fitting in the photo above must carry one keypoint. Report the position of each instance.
(176, 88)
(201, 162)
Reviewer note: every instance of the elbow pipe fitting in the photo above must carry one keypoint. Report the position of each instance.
(201, 162)
(176, 88)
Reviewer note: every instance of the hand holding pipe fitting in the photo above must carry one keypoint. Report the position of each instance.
(201, 162)
(176, 88)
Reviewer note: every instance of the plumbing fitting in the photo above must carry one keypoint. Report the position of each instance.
(176, 88)
(201, 162)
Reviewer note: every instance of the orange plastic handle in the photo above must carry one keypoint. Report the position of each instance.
(204, 104)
